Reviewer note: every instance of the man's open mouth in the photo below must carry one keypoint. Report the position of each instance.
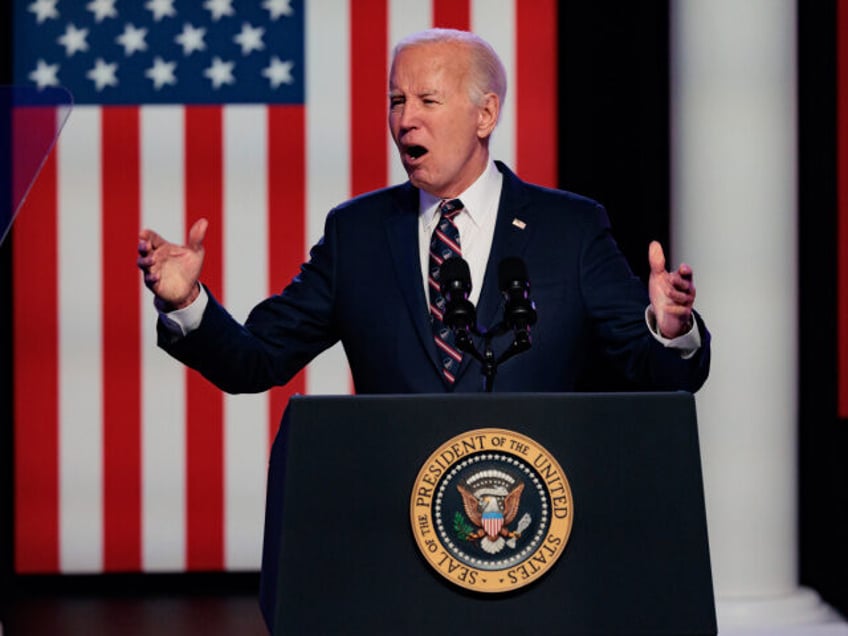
(415, 152)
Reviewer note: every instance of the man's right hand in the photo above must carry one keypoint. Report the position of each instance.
(171, 271)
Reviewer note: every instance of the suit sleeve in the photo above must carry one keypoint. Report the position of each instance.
(280, 336)
(615, 300)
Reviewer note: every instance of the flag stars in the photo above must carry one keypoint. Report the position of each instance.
(220, 72)
(191, 39)
(132, 40)
(278, 72)
(103, 74)
(219, 8)
(161, 9)
(102, 9)
(277, 8)
(250, 39)
(73, 40)
(45, 74)
(162, 73)
(44, 10)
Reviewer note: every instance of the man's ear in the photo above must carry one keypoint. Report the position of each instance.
(488, 115)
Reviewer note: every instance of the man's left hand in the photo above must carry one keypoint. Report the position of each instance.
(672, 294)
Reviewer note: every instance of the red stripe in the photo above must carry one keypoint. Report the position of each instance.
(204, 403)
(368, 95)
(121, 350)
(452, 14)
(842, 222)
(286, 221)
(536, 91)
(444, 346)
(35, 313)
(446, 239)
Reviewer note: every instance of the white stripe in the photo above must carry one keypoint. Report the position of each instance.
(163, 435)
(245, 257)
(327, 141)
(80, 344)
(405, 17)
(494, 21)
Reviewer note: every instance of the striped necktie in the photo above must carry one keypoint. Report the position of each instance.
(444, 244)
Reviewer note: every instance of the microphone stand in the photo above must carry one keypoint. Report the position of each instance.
(521, 342)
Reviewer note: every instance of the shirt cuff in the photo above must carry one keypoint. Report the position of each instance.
(687, 344)
(182, 322)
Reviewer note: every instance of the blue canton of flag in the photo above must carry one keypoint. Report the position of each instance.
(163, 51)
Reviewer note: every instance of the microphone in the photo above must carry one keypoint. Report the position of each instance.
(519, 311)
(455, 285)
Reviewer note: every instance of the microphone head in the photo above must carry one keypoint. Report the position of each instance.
(514, 283)
(512, 276)
(454, 276)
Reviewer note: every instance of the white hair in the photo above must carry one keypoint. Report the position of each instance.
(487, 70)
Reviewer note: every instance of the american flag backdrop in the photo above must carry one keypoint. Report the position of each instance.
(260, 115)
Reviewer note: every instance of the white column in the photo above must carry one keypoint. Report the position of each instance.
(734, 219)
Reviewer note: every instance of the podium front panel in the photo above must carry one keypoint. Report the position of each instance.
(340, 555)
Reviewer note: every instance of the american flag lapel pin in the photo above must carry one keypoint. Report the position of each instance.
(519, 223)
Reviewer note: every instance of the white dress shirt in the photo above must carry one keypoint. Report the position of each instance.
(475, 222)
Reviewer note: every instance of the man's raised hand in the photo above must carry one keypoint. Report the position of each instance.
(171, 271)
(672, 294)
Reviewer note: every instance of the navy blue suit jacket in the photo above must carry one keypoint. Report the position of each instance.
(363, 285)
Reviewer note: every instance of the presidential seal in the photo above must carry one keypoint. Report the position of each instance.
(491, 510)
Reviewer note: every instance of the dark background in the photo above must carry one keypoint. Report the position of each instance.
(614, 147)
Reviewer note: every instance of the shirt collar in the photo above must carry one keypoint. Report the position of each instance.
(476, 200)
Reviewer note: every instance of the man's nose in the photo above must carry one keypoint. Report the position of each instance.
(408, 117)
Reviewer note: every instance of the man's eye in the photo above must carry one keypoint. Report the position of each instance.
(395, 101)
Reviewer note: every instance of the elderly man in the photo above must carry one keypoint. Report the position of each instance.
(371, 282)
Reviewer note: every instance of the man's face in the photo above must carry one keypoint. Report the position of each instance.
(440, 133)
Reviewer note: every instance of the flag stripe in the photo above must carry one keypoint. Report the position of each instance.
(245, 262)
(286, 223)
(204, 403)
(121, 352)
(535, 91)
(80, 342)
(163, 380)
(328, 133)
(452, 14)
(368, 95)
(36, 387)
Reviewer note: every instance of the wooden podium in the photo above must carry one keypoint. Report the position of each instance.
(340, 555)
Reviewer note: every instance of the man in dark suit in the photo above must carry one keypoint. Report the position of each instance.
(365, 282)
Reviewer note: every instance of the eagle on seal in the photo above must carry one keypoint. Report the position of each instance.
(485, 512)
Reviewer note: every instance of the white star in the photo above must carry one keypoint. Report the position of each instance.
(219, 8)
(277, 8)
(102, 9)
(191, 39)
(161, 9)
(103, 74)
(278, 72)
(73, 40)
(45, 74)
(161, 73)
(250, 39)
(44, 10)
(132, 39)
(220, 73)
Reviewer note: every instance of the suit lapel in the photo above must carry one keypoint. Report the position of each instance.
(401, 225)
